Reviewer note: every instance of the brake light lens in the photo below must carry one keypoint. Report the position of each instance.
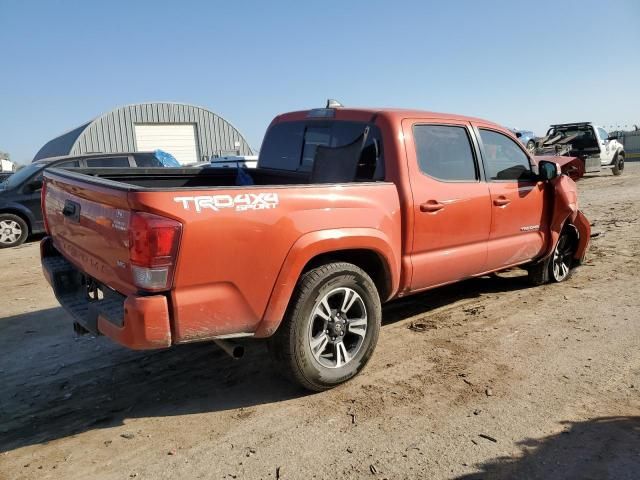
(153, 245)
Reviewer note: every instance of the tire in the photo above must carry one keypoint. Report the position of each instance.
(559, 266)
(320, 344)
(13, 230)
(618, 165)
(531, 147)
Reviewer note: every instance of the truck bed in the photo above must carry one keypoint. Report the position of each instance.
(222, 275)
(174, 178)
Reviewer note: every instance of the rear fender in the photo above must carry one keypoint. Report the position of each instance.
(317, 243)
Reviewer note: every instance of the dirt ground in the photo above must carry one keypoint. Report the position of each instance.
(506, 381)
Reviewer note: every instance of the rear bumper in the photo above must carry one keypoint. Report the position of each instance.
(136, 322)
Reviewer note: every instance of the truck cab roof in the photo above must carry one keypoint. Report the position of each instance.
(368, 114)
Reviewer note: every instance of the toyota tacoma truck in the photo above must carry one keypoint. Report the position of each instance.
(347, 209)
(586, 141)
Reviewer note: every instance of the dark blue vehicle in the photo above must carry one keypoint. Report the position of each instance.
(20, 211)
(528, 139)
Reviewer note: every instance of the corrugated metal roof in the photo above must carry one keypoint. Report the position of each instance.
(114, 131)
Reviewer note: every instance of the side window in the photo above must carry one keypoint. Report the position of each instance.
(69, 164)
(445, 153)
(107, 162)
(603, 134)
(503, 158)
(147, 161)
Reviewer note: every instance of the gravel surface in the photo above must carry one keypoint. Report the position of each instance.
(485, 379)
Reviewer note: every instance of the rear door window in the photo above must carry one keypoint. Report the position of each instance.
(503, 158)
(107, 162)
(445, 152)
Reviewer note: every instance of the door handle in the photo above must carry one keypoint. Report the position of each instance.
(431, 206)
(501, 201)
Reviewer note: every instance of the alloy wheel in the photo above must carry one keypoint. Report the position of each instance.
(562, 259)
(337, 327)
(10, 232)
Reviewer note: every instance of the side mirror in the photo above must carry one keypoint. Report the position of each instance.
(35, 185)
(548, 170)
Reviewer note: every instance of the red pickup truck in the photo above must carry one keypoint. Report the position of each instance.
(347, 209)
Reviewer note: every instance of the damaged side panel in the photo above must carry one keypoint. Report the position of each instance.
(566, 211)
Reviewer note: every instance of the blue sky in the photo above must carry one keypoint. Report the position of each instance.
(525, 65)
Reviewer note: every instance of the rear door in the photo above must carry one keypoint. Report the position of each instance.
(451, 206)
(518, 215)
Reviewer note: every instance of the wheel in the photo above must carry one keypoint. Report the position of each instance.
(331, 327)
(556, 268)
(531, 147)
(618, 165)
(13, 230)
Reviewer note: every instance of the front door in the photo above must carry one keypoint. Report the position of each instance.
(518, 216)
(451, 206)
(606, 149)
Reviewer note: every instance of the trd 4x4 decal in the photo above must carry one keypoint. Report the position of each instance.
(240, 203)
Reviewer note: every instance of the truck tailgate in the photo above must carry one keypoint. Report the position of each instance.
(89, 226)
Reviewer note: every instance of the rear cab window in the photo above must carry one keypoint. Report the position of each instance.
(292, 146)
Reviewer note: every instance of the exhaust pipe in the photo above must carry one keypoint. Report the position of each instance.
(233, 349)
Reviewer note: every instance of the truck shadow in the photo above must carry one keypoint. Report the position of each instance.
(601, 448)
(431, 299)
(56, 385)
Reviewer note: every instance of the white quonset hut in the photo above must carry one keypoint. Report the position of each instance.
(191, 134)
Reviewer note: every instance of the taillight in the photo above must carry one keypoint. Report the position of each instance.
(43, 194)
(153, 244)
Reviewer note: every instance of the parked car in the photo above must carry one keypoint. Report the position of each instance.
(20, 210)
(349, 208)
(527, 138)
(591, 143)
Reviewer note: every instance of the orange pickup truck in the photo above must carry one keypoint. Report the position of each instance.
(347, 209)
